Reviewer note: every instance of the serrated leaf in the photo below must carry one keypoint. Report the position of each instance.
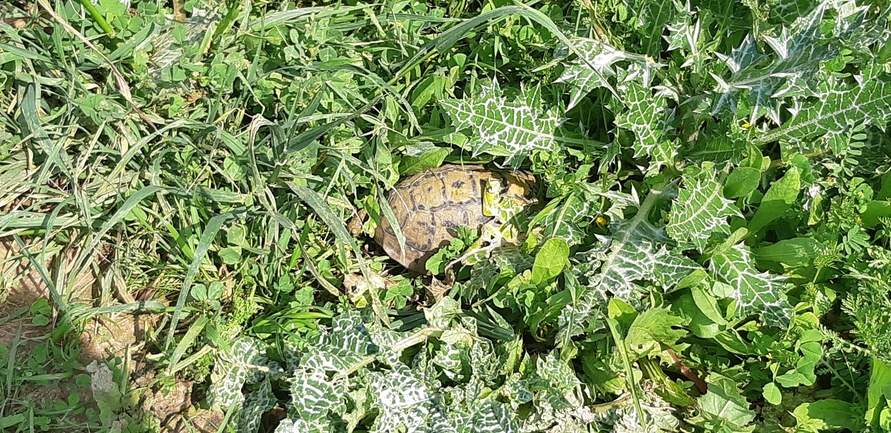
(652, 18)
(700, 210)
(637, 252)
(568, 219)
(593, 68)
(799, 51)
(866, 102)
(649, 117)
(652, 328)
(755, 293)
(512, 129)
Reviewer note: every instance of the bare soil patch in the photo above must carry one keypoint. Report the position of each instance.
(104, 339)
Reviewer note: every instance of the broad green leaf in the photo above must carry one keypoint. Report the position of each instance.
(230, 255)
(707, 304)
(772, 394)
(741, 182)
(418, 164)
(755, 293)
(550, 261)
(811, 353)
(623, 314)
(878, 394)
(790, 252)
(700, 210)
(653, 328)
(885, 191)
(724, 404)
(829, 415)
(874, 210)
(779, 199)
(698, 323)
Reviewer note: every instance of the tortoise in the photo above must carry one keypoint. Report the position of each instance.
(430, 206)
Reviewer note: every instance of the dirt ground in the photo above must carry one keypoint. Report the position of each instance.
(105, 339)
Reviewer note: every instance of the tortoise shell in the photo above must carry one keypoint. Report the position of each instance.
(430, 207)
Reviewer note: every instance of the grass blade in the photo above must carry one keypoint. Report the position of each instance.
(204, 243)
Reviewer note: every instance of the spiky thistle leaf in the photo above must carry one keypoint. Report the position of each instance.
(637, 251)
(700, 210)
(595, 65)
(867, 102)
(508, 128)
(755, 293)
(649, 118)
(798, 50)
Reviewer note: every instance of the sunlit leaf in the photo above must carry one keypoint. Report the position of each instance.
(756, 293)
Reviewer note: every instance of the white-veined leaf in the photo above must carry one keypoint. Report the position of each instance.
(297, 426)
(489, 416)
(404, 402)
(512, 129)
(313, 396)
(595, 66)
(636, 252)
(799, 51)
(755, 293)
(700, 210)
(234, 368)
(869, 102)
(255, 405)
(649, 117)
(568, 220)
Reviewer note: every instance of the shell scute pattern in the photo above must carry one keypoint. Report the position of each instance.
(430, 207)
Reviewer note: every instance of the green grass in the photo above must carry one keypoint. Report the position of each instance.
(714, 212)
